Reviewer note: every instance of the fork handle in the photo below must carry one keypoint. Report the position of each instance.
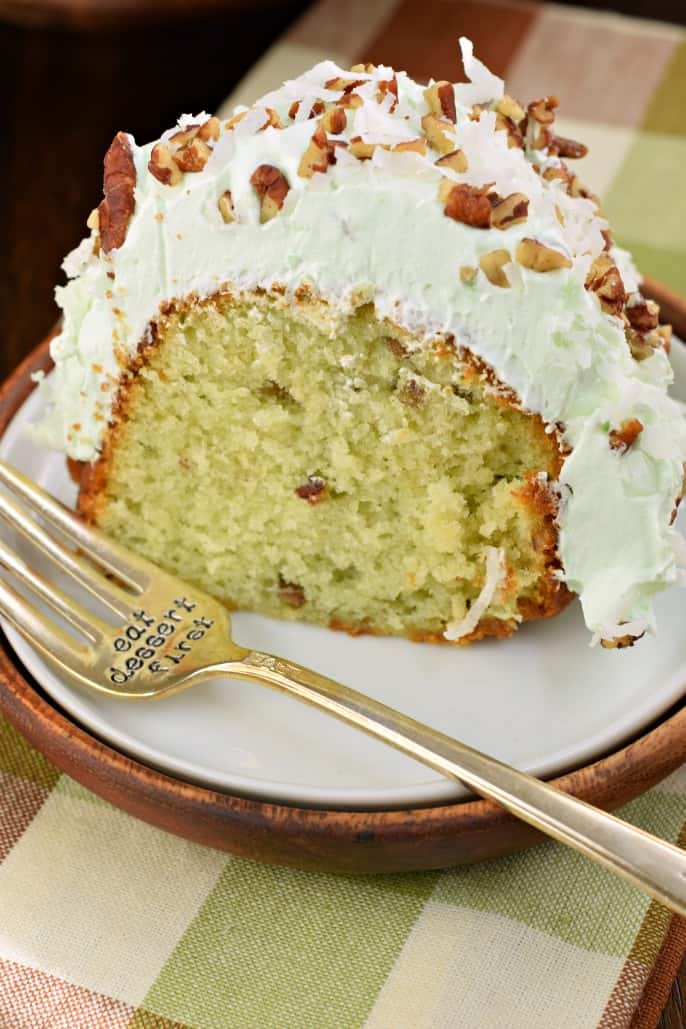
(652, 864)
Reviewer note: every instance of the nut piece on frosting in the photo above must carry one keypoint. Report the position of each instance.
(627, 433)
(163, 167)
(456, 160)
(441, 100)
(272, 187)
(333, 120)
(605, 281)
(466, 204)
(540, 258)
(226, 208)
(510, 211)
(193, 156)
(492, 264)
(318, 155)
(119, 183)
(439, 133)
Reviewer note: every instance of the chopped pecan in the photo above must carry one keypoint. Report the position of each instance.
(363, 151)
(411, 146)
(412, 393)
(543, 110)
(620, 642)
(512, 210)
(439, 133)
(273, 120)
(271, 186)
(226, 208)
(291, 593)
(233, 122)
(643, 315)
(317, 108)
(388, 87)
(510, 108)
(209, 130)
(468, 275)
(119, 183)
(567, 147)
(334, 120)
(515, 137)
(318, 155)
(184, 135)
(627, 433)
(540, 258)
(441, 100)
(163, 167)
(313, 491)
(93, 220)
(456, 160)
(605, 281)
(346, 85)
(193, 156)
(492, 264)
(394, 345)
(350, 100)
(367, 69)
(466, 204)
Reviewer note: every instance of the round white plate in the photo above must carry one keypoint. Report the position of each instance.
(543, 700)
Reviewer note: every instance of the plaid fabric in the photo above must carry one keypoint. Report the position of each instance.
(107, 922)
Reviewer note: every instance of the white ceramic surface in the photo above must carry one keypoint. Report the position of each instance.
(543, 700)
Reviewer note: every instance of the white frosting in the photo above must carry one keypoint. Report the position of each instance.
(377, 227)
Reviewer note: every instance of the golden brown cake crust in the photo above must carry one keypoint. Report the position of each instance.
(536, 495)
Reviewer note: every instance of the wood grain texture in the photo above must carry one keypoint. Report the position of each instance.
(340, 841)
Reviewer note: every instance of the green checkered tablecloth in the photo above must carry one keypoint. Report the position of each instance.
(107, 922)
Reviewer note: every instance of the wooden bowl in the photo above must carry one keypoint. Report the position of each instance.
(333, 841)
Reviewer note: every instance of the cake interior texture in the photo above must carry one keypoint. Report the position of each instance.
(310, 464)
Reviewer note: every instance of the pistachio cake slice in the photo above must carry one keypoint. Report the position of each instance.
(365, 355)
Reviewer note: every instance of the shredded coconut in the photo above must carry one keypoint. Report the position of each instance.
(494, 575)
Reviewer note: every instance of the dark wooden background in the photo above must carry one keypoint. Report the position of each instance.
(67, 84)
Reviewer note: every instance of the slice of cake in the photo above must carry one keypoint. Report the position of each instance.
(365, 355)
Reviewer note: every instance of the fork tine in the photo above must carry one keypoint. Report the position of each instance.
(40, 631)
(110, 555)
(90, 625)
(113, 596)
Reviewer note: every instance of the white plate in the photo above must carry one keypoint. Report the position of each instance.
(543, 700)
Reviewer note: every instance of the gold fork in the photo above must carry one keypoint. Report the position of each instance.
(169, 636)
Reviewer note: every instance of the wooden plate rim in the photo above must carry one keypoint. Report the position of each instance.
(331, 840)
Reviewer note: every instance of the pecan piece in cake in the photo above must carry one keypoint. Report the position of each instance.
(467, 204)
(313, 491)
(512, 210)
(605, 281)
(361, 150)
(515, 138)
(540, 258)
(439, 132)
(318, 155)
(441, 100)
(455, 160)
(412, 393)
(271, 186)
(492, 264)
(119, 183)
(627, 433)
(291, 593)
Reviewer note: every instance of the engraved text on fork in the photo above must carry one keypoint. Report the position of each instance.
(157, 645)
